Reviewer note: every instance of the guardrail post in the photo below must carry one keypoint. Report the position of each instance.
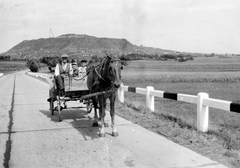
(202, 113)
(149, 98)
(121, 94)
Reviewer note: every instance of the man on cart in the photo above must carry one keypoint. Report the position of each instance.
(64, 68)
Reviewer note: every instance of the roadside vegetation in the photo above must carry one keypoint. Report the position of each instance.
(164, 57)
(219, 77)
(10, 66)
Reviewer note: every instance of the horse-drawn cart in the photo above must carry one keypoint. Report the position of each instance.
(75, 90)
(103, 80)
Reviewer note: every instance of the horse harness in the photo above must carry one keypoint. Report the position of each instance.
(102, 64)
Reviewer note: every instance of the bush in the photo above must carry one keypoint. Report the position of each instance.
(33, 65)
(53, 62)
(182, 59)
(5, 58)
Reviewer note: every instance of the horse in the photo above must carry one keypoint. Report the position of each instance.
(105, 77)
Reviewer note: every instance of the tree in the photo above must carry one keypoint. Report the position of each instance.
(33, 65)
(53, 62)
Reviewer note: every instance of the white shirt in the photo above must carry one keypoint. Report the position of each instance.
(82, 69)
(64, 66)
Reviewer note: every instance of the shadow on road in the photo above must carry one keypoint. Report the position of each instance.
(66, 114)
(78, 118)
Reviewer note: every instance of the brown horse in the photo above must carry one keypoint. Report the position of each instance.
(105, 77)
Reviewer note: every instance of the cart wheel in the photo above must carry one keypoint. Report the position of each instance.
(59, 110)
(65, 105)
(51, 107)
(89, 107)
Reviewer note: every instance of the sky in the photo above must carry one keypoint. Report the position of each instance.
(204, 26)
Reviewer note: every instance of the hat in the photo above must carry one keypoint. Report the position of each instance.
(74, 63)
(64, 56)
(83, 61)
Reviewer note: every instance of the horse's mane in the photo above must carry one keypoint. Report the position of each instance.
(93, 64)
(100, 68)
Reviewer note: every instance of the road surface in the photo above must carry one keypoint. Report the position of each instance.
(31, 137)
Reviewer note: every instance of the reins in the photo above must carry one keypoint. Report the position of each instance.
(81, 77)
(100, 75)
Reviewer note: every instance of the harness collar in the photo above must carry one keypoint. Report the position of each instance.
(99, 75)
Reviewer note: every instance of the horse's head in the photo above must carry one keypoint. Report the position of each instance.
(113, 68)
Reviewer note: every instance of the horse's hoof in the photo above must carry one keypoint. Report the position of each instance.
(95, 124)
(102, 135)
(115, 134)
(59, 120)
(106, 125)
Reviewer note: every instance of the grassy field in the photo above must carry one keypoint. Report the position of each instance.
(219, 77)
(10, 66)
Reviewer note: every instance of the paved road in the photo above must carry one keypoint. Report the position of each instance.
(30, 136)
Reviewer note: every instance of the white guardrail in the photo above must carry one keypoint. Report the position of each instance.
(202, 100)
(38, 75)
(43, 75)
(1, 74)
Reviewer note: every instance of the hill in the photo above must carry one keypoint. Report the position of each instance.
(77, 46)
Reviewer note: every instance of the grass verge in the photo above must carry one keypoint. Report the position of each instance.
(216, 145)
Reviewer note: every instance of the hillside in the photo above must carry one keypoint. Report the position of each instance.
(77, 46)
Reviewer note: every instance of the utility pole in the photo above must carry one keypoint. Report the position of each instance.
(51, 33)
(50, 43)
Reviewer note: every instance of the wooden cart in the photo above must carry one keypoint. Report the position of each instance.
(75, 90)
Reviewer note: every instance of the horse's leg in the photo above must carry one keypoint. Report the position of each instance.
(112, 114)
(95, 123)
(102, 115)
(105, 105)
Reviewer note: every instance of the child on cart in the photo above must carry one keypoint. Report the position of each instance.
(76, 72)
(82, 68)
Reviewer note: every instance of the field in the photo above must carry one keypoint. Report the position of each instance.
(219, 77)
(10, 66)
